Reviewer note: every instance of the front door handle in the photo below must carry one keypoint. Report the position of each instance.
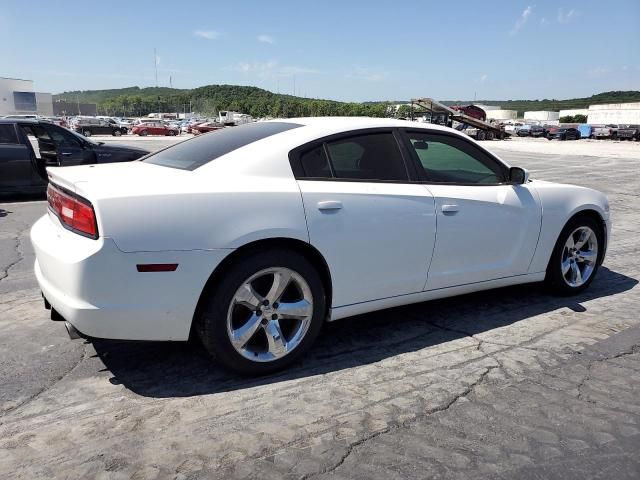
(450, 209)
(66, 154)
(330, 205)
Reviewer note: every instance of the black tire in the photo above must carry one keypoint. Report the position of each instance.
(554, 278)
(86, 133)
(172, 133)
(117, 133)
(144, 133)
(211, 326)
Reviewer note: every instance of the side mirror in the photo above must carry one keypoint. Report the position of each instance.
(518, 175)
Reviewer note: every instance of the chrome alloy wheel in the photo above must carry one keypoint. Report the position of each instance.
(579, 256)
(270, 314)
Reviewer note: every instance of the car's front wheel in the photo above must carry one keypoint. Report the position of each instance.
(265, 313)
(86, 133)
(576, 256)
(117, 133)
(144, 133)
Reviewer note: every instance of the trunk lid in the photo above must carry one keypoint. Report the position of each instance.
(112, 180)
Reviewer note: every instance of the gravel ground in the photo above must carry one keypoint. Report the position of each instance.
(509, 383)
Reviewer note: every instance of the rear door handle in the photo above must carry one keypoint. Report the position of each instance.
(330, 205)
(449, 208)
(66, 154)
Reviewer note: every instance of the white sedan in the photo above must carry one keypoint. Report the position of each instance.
(252, 237)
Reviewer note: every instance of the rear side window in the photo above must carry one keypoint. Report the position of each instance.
(315, 164)
(198, 151)
(8, 134)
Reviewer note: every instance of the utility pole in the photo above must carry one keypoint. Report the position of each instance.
(294, 85)
(155, 64)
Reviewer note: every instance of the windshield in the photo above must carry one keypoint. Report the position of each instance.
(198, 151)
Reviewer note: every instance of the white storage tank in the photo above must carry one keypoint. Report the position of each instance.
(541, 116)
(502, 114)
(614, 113)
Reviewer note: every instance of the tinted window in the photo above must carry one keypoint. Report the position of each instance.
(315, 164)
(8, 134)
(25, 101)
(367, 157)
(451, 160)
(62, 136)
(198, 151)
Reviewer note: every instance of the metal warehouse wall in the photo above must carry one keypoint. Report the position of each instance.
(45, 104)
(7, 87)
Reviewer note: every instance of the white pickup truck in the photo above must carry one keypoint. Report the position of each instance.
(606, 131)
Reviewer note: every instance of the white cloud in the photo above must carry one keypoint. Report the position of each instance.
(566, 17)
(522, 20)
(207, 34)
(597, 72)
(266, 39)
(483, 77)
(272, 69)
(363, 73)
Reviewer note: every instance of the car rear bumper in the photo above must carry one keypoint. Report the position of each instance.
(98, 289)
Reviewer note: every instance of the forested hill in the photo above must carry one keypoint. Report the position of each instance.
(212, 98)
(261, 103)
(555, 105)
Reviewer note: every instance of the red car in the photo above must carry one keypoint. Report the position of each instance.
(206, 127)
(153, 128)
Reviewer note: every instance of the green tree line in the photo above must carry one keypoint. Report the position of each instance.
(257, 102)
(209, 100)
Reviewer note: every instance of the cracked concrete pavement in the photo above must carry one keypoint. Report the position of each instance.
(510, 383)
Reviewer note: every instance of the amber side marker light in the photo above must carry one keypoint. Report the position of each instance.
(157, 267)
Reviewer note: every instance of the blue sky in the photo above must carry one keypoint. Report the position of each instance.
(345, 50)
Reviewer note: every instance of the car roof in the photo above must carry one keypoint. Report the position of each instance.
(20, 120)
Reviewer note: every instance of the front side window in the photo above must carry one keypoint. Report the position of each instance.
(373, 156)
(446, 159)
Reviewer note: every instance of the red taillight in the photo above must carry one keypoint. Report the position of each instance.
(74, 212)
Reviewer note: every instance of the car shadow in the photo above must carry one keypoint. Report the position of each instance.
(170, 369)
(4, 213)
(21, 197)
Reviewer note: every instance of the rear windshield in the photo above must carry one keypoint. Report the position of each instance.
(198, 151)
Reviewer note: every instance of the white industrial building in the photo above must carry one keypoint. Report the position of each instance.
(574, 112)
(541, 116)
(18, 97)
(614, 113)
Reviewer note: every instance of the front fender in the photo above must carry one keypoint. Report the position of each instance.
(560, 203)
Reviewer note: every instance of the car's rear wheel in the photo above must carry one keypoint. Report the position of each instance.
(144, 133)
(264, 314)
(577, 256)
(117, 133)
(86, 133)
(172, 133)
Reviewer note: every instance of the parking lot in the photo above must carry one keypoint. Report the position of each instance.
(509, 383)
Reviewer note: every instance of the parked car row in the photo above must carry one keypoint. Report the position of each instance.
(28, 147)
(571, 132)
